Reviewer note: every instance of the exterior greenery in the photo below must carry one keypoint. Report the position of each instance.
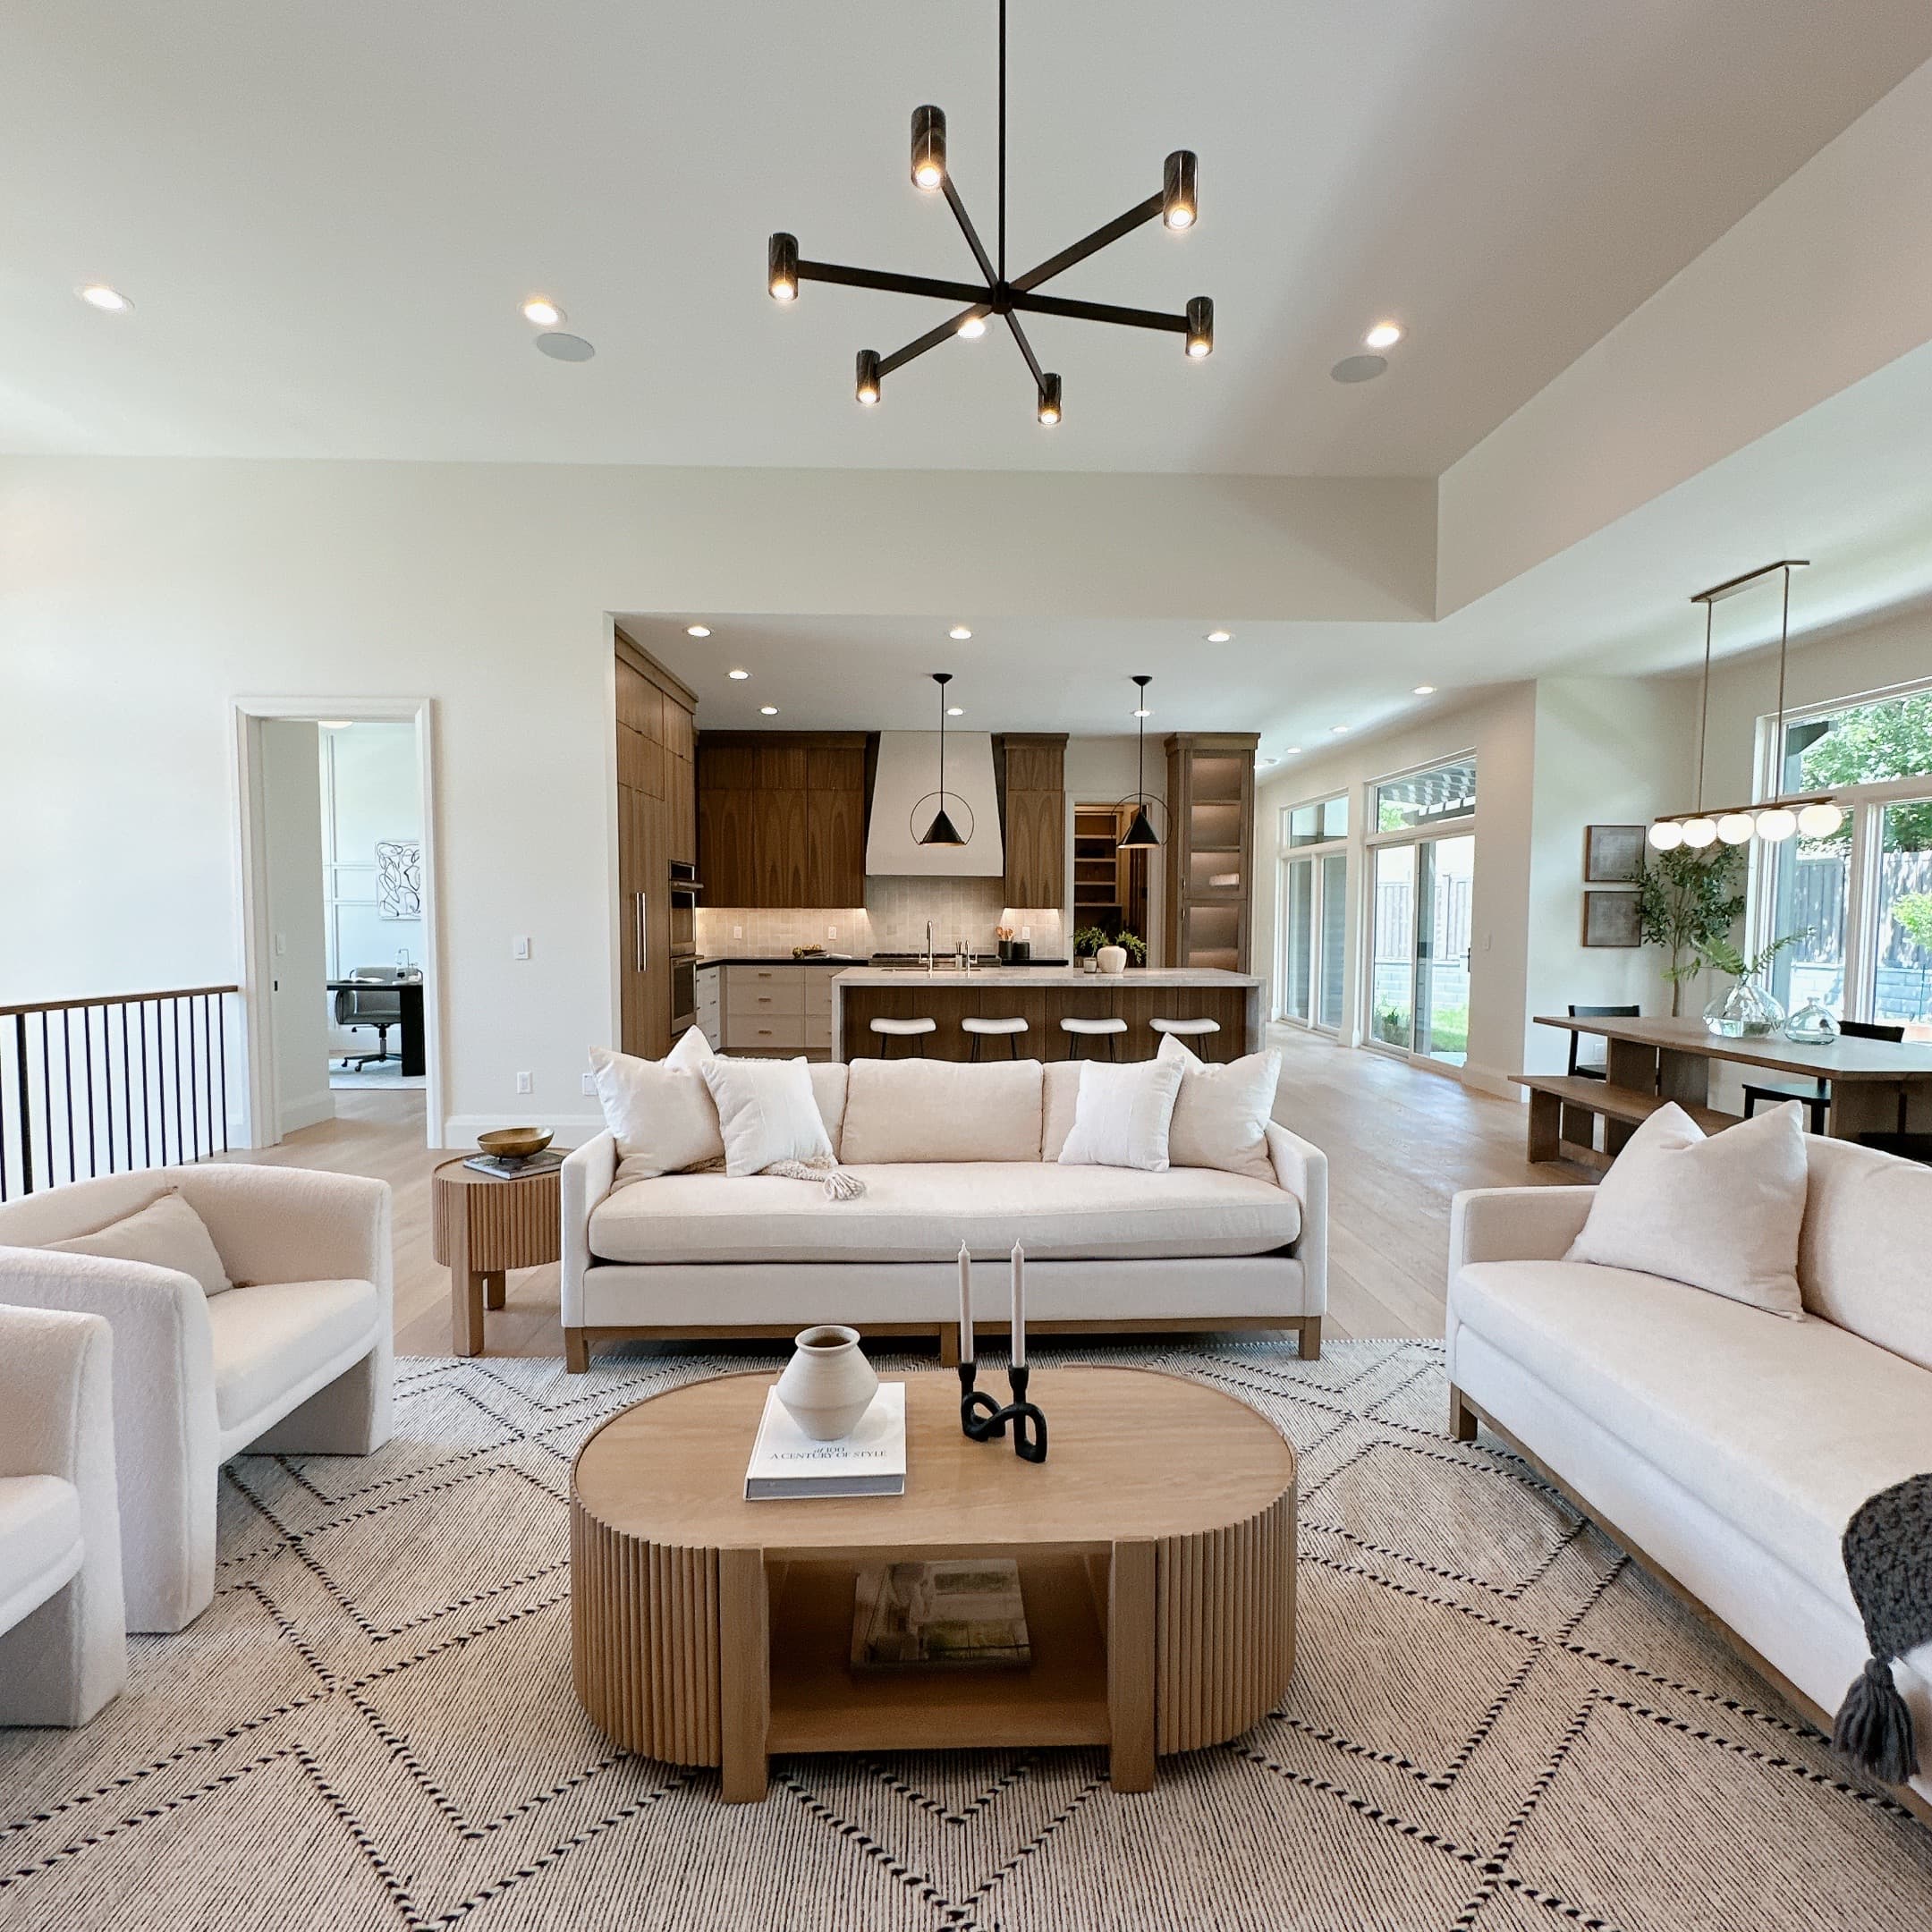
(1892, 739)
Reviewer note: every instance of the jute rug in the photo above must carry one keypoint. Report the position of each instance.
(1497, 1724)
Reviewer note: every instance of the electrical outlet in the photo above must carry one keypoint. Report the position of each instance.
(737, 932)
(520, 946)
(523, 1084)
(831, 932)
(590, 1083)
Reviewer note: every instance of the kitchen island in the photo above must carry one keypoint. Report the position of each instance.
(1044, 996)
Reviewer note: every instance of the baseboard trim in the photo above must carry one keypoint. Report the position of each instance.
(570, 1130)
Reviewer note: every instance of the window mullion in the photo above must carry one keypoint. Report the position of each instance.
(1860, 903)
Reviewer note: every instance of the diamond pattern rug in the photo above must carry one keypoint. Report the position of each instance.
(1497, 1723)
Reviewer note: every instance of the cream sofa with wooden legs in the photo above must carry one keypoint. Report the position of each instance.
(296, 1359)
(1724, 1447)
(63, 1639)
(1108, 1249)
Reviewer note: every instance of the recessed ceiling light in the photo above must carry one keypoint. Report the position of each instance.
(98, 295)
(1293, 750)
(1357, 368)
(562, 348)
(1265, 762)
(955, 711)
(739, 676)
(959, 633)
(1143, 714)
(541, 310)
(1384, 335)
(1425, 690)
(768, 710)
(333, 724)
(1338, 729)
(697, 630)
(973, 327)
(1219, 637)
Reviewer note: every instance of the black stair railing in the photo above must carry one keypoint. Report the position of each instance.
(105, 1086)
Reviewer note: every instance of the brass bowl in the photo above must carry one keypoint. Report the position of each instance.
(515, 1143)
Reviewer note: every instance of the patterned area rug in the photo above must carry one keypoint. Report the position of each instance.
(1497, 1724)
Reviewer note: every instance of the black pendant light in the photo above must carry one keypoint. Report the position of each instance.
(1177, 203)
(942, 831)
(1142, 831)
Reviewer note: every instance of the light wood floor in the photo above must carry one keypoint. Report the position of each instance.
(1400, 1143)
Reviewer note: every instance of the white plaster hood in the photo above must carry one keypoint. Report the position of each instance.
(908, 772)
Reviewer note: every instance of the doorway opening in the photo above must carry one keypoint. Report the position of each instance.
(338, 912)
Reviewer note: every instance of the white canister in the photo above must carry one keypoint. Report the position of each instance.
(828, 1383)
(1112, 959)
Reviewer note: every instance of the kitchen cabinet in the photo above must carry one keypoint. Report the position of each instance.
(1210, 849)
(781, 818)
(1034, 797)
(769, 1008)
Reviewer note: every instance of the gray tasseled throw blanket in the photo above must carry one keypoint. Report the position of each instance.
(1888, 1561)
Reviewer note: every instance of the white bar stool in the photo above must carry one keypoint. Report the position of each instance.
(1186, 1029)
(1085, 1030)
(888, 1030)
(980, 1029)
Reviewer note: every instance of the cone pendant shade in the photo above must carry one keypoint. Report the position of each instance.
(942, 831)
(1142, 831)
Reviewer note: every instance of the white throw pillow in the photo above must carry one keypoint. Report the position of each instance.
(768, 1113)
(166, 1233)
(1221, 1113)
(1721, 1212)
(1122, 1114)
(660, 1112)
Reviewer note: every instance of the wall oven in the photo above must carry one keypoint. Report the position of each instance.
(684, 896)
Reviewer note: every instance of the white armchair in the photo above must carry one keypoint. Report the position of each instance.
(62, 1642)
(296, 1358)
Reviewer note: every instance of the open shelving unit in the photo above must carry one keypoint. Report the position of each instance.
(1210, 795)
(1096, 889)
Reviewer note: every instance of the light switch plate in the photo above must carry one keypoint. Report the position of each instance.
(590, 1083)
(523, 1084)
(737, 932)
(520, 946)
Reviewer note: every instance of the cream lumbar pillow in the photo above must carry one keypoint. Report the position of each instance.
(165, 1234)
(767, 1114)
(1721, 1212)
(1221, 1113)
(1122, 1114)
(660, 1112)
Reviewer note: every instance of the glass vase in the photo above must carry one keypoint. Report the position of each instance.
(1746, 1012)
(1813, 1024)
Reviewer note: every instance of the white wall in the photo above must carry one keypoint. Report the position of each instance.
(291, 846)
(139, 598)
(371, 791)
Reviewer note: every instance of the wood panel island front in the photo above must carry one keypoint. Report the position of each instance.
(1044, 996)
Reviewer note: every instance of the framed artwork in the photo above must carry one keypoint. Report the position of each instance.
(399, 878)
(1610, 920)
(1613, 854)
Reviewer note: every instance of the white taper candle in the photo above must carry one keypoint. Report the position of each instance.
(1018, 1306)
(966, 1332)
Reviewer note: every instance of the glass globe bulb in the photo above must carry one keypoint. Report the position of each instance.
(1820, 821)
(1734, 828)
(1699, 832)
(1777, 825)
(1665, 835)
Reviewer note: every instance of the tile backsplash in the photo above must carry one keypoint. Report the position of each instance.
(892, 919)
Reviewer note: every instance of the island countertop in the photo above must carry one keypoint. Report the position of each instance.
(1062, 978)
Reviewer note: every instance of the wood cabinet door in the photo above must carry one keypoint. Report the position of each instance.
(682, 797)
(1035, 858)
(781, 847)
(724, 846)
(835, 832)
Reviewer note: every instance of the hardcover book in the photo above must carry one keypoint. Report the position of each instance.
(788, 1463)
(962, 1614)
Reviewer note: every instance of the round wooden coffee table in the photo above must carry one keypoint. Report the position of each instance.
(1156, 1553)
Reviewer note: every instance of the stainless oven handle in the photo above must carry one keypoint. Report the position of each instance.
(639, 927)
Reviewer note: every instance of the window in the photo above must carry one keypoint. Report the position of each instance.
(1862, 898)
(1422, 798)
(1313, 940)
(1316, 822)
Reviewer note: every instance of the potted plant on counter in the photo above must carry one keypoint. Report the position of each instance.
(1086, 943)
(1135, 947)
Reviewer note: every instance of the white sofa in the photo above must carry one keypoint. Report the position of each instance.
(1108, 1248)
(296, 1361)
(1724, 1447)
(62, 1642)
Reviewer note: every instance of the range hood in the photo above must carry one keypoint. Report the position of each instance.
(908, 772)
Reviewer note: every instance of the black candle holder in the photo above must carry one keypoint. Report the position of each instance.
(981, 1419)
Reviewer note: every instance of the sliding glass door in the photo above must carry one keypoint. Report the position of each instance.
(1393, 969)
(1313, 936)
(1446, 868)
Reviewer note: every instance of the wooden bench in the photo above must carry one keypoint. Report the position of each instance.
(1562, 1105)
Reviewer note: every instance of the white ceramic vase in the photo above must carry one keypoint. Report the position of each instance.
(828, 1383)
(1112, 958)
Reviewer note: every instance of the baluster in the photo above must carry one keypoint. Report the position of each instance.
(194, 1106)
(87, 1043)
(221, 1014)
(26, 1102)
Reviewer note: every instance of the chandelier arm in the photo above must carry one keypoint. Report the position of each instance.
(1092, 244)
(931, 339)
(1087, 311)
(1026, 349)
(895, 285)
(971, 233)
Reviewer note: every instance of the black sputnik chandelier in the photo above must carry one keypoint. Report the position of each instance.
(1175, 204)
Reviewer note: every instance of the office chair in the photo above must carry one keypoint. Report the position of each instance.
(377, 1008)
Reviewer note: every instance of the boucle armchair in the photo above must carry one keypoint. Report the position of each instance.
(294, 1359)
(63, 1643)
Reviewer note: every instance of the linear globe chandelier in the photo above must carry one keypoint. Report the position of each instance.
(996, 296)
(1816, 814)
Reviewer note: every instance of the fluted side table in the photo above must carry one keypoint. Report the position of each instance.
(484, 1225)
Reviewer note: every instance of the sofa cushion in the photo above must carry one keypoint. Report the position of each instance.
(40, 1545)
(767, 1111)
(1782, 1428)
(922, 1213)
(270, 1339)
(660, 1112)
(1123, 1114)
(167, 1233)
(828, 1090)
(941, 1110)
(1859, 1262)
(1059, 1101)
(1221, 1113)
